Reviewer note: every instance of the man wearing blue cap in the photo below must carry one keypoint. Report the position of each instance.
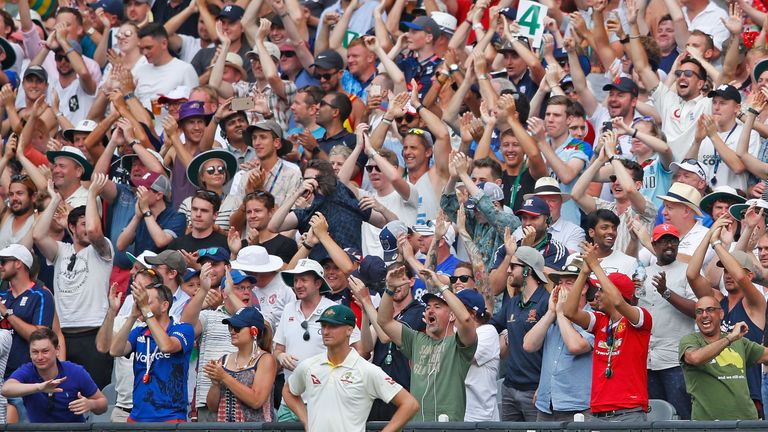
(214, 336)
(422, 64)
(339, 386)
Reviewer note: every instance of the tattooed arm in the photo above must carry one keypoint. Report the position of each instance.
(476, 258)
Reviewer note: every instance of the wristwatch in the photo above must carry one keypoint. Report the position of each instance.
(453, 68)
(90, 31)
(666, 294)
(147, 214)
(8, 312)
(148, 315)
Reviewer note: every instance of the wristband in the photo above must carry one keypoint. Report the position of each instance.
(386, 121)
(306, 245)
(729, 340)
(129, 96)
(443, 288)
(624, 40)
(389, 291)
(482, 77)
(634, 133)
(715, 243)
(753, 111)
(478, 26)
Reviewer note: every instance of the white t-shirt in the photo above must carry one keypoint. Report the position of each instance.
(80, 285)
(339, 397)
(688, 244)
(480, 382)
(153, 81)
(290, 334)
(716, 167)
(679, 117)
(74, 102)
(405, 211)
(619, 262)
(429, 200)
(272, 300)
(190, 45)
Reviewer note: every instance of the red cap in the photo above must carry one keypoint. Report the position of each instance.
(624, 284)
(665, 229)
(285, 46)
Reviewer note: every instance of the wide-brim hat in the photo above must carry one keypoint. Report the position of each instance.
(256, 259)
(75, 154)
(684, 194)
(306, 265)
(759, 68)
(547, 186)
(720, 193)
(193, 170)
(10, 54)
(738, 210)
(569, 269)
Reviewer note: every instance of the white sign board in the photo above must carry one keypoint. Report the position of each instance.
(530, 18)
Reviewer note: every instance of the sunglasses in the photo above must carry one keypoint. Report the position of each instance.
(210, 194)
(235, 329)
(19, 177)
(209, 251)
(323, 102)
(325, 76)
(305, 326)
(407, 118)
(211, 170)
(462, 278)
(372, 168)
(688, 73)
(60, 57)
(125, 34)
(288, 54)
(709, 310)
(5, 260)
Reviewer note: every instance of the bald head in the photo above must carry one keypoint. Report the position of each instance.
(709, 314)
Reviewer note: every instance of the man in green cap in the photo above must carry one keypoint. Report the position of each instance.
(355, 383)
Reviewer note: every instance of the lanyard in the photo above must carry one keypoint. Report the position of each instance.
(516, 186)
(717, 158)
(279, 170)
(150, 358)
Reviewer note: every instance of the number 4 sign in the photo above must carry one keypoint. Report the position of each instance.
(530, 18)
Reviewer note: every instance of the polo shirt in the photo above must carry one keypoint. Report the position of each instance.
(339, 397)
(54, 407)
(164, 396)
(521, 369)
(34, 306)
(290, 334)
(709, 22)
(679, 117)
(566, 379)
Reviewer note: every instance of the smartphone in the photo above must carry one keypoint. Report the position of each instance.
(375, 90)
(607, 126)
(242, 104)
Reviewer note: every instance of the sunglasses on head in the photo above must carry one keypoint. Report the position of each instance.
(372, 168)
(462, 278)
(305, 326)
(688, 73)
(209, 251)
(211, 170)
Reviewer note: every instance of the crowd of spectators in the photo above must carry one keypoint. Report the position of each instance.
(393, 210)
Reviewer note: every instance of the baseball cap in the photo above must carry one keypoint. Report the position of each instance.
(744, 259)
(624, 284)
(534, 206)
(726, 91)
(172, 258)
(18, 252)
(473, 300)
(83, 126)
(215, 254)
(189, 274)
(238, 277)
(156, 182)
(180, 95)
(665, 229)
(37, 71)
(114, 7)
(569, 269)
(141, 258)
(533, 259)
(624, 85)
(329, 59)
(372, 270)
(691, 165)
(425, 23)
(338, 315)
(388, 238)
(492, 191)
(231, 12)
(246, 317)
(445, 21)
(354, 254)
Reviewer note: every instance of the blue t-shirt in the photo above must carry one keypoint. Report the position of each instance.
(164, 396)
(54, 407)
(123, 209)
(34, 306)
(572, 149)
(169, 220)
(446, 267)
(656, 180)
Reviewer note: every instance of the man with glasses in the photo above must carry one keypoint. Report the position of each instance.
(298, 336)
(203, 235)
(670, 300)
(54, 391)
(714, 362)
(80, 278)
(566, 366)
(215, 340)
(329, 69)
(622, 333)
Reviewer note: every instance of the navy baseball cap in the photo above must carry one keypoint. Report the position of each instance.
(388, 238)
(624, 85)
(534, 206)
(372, 270)
(114, 7)
(189, 274)
(215, 254)
(246, 317)
(426, 24)
(231, 12)
(726, 91)
(473, 300)
(238, 277)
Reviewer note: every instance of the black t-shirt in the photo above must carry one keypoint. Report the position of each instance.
(191, 244)
(280, 246)
(526, 186)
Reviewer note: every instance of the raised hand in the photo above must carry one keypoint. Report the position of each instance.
(359, 290)
(319, 224)
(115, 298)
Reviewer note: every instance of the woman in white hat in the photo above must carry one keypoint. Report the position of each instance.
(211, 170)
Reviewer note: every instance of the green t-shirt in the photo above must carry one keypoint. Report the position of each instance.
(719, 387)
(438, 371)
